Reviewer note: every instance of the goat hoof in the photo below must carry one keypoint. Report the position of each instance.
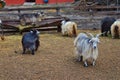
(85, 65)
(15, 51)
(77, 60)
(33, 54)
(93, 64)
(23, 53)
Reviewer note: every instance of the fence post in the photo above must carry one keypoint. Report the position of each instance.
(117, 5)
(59, 28)
(58, 11)
(19, 14)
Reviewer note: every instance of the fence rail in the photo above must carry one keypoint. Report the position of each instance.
(10, 26)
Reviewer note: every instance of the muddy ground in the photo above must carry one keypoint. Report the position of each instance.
(55, 59)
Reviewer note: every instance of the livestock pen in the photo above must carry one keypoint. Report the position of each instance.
(55, 58)
(46, 24)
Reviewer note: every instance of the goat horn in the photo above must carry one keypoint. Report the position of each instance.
(100, 34)
(89, 34)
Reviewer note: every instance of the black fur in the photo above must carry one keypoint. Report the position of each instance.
(106, 25)
(30, 41)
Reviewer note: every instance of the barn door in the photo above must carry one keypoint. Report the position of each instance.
(29, 0)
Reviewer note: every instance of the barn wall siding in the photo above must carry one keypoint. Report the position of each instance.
(21, 2)
(53, 1)
(14, 2)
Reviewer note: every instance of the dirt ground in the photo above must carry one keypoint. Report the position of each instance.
(55, 60)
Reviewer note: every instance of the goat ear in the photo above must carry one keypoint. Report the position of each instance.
(89, 34)
(98, 35)
(98, 41)
(63, 22)
(90, 41)
(0, 21)
(38, 32)
(31, 31)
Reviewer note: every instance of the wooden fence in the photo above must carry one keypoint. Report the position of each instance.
(11, 26)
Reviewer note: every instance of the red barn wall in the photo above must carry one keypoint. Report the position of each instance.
(20, 2)
(14, 2)
(53, 1)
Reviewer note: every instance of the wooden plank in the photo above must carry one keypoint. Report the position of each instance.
(33, 8)
(56, 23)
(9, 26)
(45, 25)
(9, 31)
(39, 29)
(104, 7)
(97, 7)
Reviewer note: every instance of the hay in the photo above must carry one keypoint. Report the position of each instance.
(21, 27)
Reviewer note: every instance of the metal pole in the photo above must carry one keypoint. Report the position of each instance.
(107, 3)
(117, 5)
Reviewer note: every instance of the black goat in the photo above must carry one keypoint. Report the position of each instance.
(106, 25)
(30, 41)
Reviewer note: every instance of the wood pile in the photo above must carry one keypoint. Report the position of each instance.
(44, 25)
(98, 5)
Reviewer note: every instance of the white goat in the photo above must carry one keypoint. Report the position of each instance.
(86, 47)
(69, 28)
(115, 29)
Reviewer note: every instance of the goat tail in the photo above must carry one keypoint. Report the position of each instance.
(116, 31)
(74, 31)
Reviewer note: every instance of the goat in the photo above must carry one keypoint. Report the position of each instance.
(2, 34)
(30, 41)
(31, 18)
(86, 47)
(106, 25)
(115, 29)
(69, 28)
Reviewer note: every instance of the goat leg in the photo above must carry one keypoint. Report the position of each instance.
(33, 51)
(85, 64)
(93, 63)
(23, 51)
(79, 58)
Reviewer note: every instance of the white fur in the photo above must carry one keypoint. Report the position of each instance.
(113, 26)
(67, 28)
(0, 21)
(41, 16)
(86, 47)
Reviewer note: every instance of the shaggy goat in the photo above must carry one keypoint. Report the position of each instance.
(69, 28)
(115, 29)
(2, 34)
(86, 47)
(31, 18)
(106, 24)
(30, 41)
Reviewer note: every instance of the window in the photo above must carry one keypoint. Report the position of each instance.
(30, 0)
